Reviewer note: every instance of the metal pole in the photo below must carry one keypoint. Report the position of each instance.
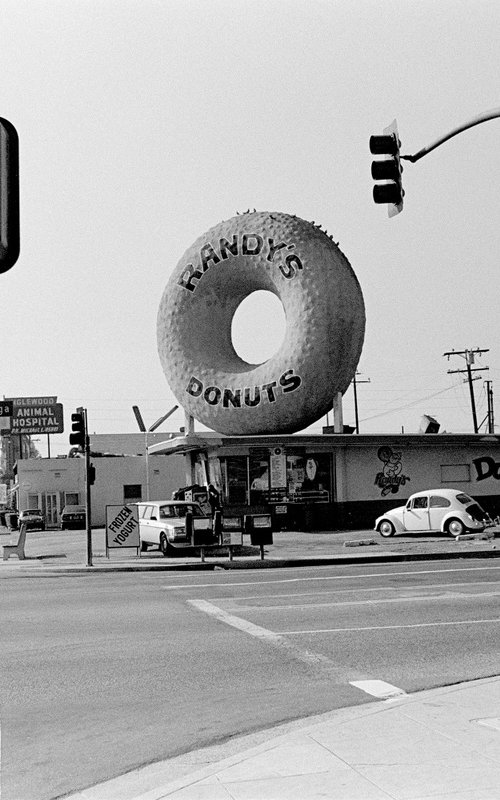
(87, 493)
(355, 403)
(484, 117)
(490, 417)
(492, 411)
(147, 464)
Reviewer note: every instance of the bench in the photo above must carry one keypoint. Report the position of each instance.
(18, 549)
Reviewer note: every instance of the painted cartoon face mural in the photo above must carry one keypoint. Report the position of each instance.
(391, 477)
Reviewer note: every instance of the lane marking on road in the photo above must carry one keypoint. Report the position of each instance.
(419, 598)
(269, 637)
(366, 590)
(363, 576)
(390, 627)
(380, 689)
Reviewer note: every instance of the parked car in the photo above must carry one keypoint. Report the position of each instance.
(162, 523)
(447, 510)
(73, 517)
(33, 519)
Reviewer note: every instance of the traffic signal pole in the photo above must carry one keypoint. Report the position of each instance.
(88, 515)
(80, 438)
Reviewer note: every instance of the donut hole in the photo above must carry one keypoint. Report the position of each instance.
(258, 327)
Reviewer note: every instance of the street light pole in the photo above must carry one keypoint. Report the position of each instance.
(145, 430)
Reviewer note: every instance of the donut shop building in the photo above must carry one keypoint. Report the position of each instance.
(336, 481)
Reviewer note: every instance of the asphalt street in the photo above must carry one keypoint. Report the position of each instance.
(107, 672)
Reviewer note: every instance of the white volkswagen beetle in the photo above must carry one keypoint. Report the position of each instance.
(448, 510)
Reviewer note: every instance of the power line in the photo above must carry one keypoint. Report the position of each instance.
(408, 405)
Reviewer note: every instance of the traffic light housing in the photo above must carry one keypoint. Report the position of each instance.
(9, 195)
(388, 170)
(91, 475)
(78, 437)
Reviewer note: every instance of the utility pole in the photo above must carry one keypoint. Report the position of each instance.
(354, 385)
(469, 356)
(490, 415)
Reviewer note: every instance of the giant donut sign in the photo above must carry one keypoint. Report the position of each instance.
(325, 324)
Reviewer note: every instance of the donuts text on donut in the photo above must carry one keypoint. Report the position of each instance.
(250, 396)
(245, 244)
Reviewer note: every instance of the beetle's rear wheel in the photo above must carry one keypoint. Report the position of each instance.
(386, 528)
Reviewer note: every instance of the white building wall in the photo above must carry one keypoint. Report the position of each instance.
(63, 476)
(398, 470)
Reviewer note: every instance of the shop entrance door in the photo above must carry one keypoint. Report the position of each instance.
(51, 508)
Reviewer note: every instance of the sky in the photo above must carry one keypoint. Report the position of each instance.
(143, 123)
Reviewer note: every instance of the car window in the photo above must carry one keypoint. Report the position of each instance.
(439, 502)
(166, 511)
(147, 512)
(420, 502)
(180, 511)
(464, 499)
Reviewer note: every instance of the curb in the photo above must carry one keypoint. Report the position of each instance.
(204, 566)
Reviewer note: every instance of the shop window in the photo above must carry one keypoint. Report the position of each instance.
(235, 479)
(33, 501)
(132, 493)
(259, 479)
(455, 473)
(71, 499)
(309, 478)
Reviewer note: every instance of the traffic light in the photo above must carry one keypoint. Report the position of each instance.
(9, 195)
(91, 475)
(78, 426)
(388, 170)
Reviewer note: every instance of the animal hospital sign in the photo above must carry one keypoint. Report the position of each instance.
(34, 415)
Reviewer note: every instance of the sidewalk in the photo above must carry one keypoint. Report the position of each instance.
(55, 551)
(442, 744)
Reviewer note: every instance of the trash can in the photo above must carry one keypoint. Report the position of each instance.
(12, 519)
